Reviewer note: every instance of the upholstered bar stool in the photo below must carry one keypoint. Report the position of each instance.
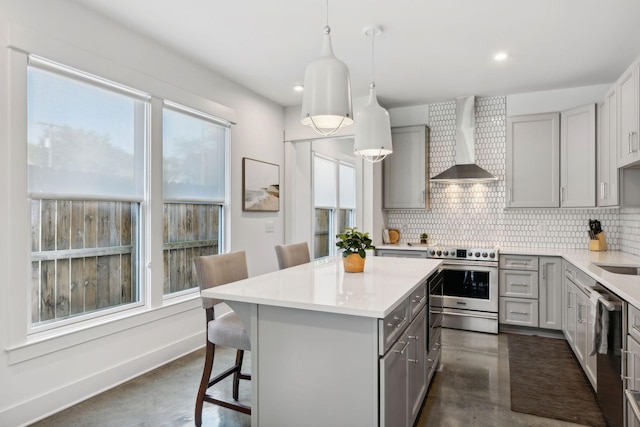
(292, 254)
(226, 330)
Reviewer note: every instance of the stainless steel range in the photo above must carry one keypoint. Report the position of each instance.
(470, 287)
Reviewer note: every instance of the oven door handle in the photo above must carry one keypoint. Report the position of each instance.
(474, 315)
(469, 265)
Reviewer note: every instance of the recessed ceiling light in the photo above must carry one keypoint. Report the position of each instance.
(298, 88)
(500, 56)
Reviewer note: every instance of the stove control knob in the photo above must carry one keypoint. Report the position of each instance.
(469, 253)
(477, 254)
(484, 255)
(432, 252)
(446, 253)
(439, 253)
(492, 255)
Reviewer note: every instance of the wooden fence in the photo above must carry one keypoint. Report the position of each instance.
(85, 253)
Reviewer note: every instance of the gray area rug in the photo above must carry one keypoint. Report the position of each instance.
(547, 381)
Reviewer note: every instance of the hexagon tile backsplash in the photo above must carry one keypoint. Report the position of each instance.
(475, 214)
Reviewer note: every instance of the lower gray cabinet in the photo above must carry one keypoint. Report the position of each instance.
(550, 293)
(404, 365)
(531, 291)
(416, 365)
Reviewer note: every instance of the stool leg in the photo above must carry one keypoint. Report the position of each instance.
(236, 374)
(204, 382)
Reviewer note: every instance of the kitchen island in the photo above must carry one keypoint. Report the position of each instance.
(317, 338)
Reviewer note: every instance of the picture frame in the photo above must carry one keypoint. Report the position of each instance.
(260, 186)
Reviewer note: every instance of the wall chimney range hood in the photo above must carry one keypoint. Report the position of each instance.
(465, 170)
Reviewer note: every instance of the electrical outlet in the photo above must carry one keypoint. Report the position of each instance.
(270, 227)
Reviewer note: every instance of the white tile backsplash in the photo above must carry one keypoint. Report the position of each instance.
(475, 214)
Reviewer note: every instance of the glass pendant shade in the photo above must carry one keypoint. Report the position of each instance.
(326, 103)
(373, 130)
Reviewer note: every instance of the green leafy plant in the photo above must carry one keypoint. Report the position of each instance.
(354, 242)
(424, 236)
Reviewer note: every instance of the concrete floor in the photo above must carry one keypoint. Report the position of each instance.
(471, 389)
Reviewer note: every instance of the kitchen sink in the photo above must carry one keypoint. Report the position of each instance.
(621, 269)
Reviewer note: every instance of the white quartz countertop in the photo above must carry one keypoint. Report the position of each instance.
(324, 286)
(625, 286)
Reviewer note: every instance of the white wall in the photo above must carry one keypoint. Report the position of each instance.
(39, 378)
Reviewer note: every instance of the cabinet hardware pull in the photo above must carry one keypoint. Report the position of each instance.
(510, 195)
(461, 303)
(524, 313)
(631, 150)
(518, 284)
(429, 360)
(562, 194)
(413, 337)
(543, 270)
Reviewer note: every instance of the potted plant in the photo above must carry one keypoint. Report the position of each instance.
(354, 244)
(424, 237)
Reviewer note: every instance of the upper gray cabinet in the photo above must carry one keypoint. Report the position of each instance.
(607, 160)
(405, 171)
(533, 161)
(627, 92)
(578, 157)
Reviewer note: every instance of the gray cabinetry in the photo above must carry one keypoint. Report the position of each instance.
(577, 319)
(607, 159)
(578, 157)
(405, 172)
(404, 363)
(533, 161)
(631, 375)
(550, 293)
(627, 94)
(530, 291)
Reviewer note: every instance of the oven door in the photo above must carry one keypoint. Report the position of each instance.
(470, 286)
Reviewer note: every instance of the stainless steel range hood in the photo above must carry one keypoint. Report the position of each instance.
(465, 169)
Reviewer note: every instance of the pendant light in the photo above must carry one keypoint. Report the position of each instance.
(326, 102)
(373, 125)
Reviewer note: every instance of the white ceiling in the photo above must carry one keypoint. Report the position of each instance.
(429, 51)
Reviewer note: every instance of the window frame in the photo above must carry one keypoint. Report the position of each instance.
(21, 344)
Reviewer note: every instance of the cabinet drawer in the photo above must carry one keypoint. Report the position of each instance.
(579, 277)
(400, 253)
(520, 284)
(392, 326)
(418, 300)
(516, 311)
(519, 262)
(634, 322)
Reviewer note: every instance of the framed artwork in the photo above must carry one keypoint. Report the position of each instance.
(260, 186)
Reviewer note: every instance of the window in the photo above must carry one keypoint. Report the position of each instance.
(334, 188)
(194, 147)
(86, 145)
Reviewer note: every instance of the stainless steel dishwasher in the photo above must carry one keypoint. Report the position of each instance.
(610, 393)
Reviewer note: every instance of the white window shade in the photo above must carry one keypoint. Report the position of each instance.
(84, 139)
(193, 157)
(325, 180)
(347, 187)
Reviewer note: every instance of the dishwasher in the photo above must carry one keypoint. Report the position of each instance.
(610, 394)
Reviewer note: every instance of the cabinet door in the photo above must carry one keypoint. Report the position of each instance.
(570, 309)
(627, 96)
(607, 160)
(416, 365)
(632, 372)
(393, 385)
(405, 170)
(533, 161)
(578, 157)
(550, 291)
(580, 347)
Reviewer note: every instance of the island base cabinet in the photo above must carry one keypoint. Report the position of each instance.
(325, 362)
(393, 382)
